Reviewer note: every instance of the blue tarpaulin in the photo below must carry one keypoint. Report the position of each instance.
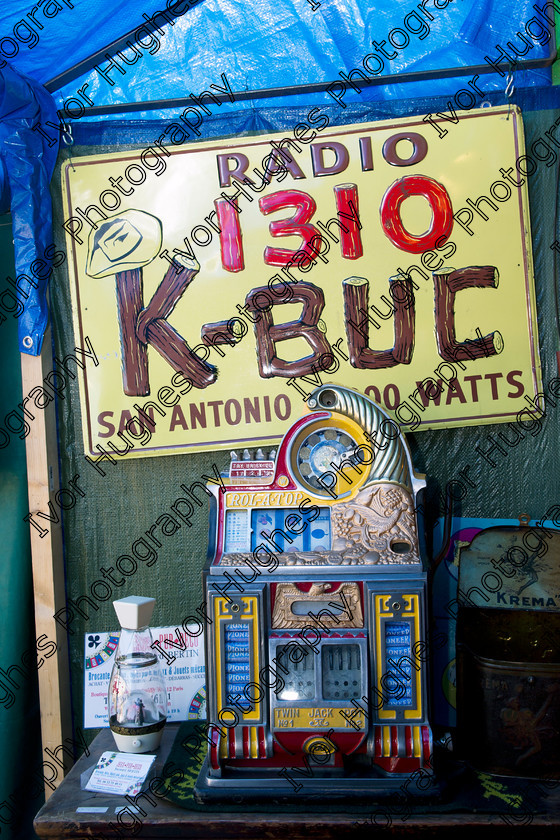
(27, 161)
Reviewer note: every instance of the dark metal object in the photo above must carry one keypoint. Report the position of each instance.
(512, 717)
(89, 63)
(297, 90)
(446, 539)
(508, 657)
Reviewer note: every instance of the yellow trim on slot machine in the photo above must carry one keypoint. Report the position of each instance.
(342, 489)
(416, 741)
(218, 617)
(386, 742)
(253, 742)
(413, 611)
(251, 602)
(381, 609)
(323, 717)
(249, 615)
(323, 741)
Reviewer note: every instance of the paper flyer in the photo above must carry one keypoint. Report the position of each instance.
(121, 773)
(184, 677)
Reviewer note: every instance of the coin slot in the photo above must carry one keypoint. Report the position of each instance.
(400, 547)
(327, 399)
(307, 607)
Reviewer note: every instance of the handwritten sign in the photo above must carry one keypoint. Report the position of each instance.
(219, 282)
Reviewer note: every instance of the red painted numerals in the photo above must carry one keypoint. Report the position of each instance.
(346, 202)
(296, 225)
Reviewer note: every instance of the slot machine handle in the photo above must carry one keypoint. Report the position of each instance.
(446, 539)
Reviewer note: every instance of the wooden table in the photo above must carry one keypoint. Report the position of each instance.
(63, 816)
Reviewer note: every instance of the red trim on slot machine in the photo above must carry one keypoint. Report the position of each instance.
(394, 741)
(262, 742)
(426, 743)
(408, 741)
(214, 750)
(378, 749)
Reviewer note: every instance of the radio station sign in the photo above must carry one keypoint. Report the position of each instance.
(220, 282)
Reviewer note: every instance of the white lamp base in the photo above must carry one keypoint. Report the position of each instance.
(138, 743)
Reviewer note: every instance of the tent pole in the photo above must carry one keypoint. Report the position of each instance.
(299, 90)
(47, 562)
(105, 53)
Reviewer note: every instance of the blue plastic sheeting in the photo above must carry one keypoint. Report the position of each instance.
(26, 166)
(45, 38)
(274, 44)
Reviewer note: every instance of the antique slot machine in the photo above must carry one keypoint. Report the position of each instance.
(316, 594)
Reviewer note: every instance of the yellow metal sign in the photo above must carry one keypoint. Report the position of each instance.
(220, 282)
(303, 717)
(290, 498)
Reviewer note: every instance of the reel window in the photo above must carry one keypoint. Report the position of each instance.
(336, 674)
(341, 672)
(299, 682)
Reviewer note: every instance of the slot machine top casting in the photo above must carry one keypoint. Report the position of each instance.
(317, 599)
